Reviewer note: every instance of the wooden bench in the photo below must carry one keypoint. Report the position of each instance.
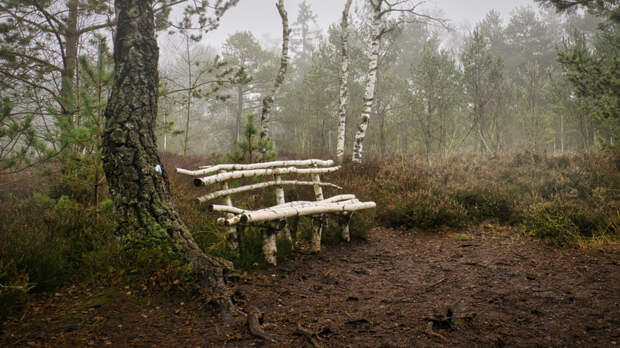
(273, 219)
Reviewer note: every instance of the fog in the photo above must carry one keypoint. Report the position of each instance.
(261, 18)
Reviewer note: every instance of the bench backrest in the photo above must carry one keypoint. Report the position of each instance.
(222, 173)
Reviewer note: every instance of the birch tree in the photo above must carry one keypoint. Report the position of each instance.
(380, 25)
(265, 136)
(344, 81)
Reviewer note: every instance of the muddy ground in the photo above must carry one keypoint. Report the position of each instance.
(484, 287)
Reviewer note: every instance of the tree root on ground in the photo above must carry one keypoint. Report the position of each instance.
(256, 328)
(429, 331)
(309, 335)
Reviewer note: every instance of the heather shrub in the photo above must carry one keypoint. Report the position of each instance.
(563, 224)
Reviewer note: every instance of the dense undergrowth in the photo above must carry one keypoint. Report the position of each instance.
(52, 234)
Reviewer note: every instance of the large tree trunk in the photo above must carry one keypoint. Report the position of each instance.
(146, 214)
(344, 83)
(371, 81)
(265, 120)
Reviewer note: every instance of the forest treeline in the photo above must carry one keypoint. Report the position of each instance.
(500, 86)
(537, 81)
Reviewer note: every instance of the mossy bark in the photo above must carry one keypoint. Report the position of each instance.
(146, 214)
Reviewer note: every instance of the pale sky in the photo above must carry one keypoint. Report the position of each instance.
(261, 17)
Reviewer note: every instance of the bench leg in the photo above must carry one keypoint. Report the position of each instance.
(269, 245)
(233, 238)
(345, 220)
(293, 227)
(286, 233)
(317, 230)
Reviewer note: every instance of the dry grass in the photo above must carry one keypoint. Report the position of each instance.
(51, 234)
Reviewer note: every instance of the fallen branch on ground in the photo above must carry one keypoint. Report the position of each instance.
(256, 328)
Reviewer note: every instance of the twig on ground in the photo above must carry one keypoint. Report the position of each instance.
(429, 331)
(255, 327)
(309, 335)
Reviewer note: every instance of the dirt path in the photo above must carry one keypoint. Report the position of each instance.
(506, 291)
(502, 290)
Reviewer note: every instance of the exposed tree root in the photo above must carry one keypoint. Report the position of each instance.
(429, 331)
(309, 335)
(256, 328)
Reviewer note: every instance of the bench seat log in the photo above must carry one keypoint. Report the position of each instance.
(267, 214)
(339, 198)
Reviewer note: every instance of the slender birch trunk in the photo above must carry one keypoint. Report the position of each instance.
(344, 83)
(371, 81)
(268, 100)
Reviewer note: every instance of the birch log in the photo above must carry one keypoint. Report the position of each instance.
(204, 170)
(246, 188)
(232, 238)
(268, 100)
(318, 222)
(345, 222)
(340, 199)
(344, 82)
(260, 172)
(371, 81)
(269, 246)
(280, 200)
(274, 214)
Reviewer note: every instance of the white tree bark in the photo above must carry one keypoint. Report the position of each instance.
(246, 188)
(340, 199)
(269, 246)
(371, 81)
(268, 100)
(345, 221)
(232, 237)
(205, 170)
(275, 214)
(284, 212)
(212, 179)
(344, 82)
(319, 221)
(281, 200)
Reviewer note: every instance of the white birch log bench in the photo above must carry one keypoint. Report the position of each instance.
(273, 219)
